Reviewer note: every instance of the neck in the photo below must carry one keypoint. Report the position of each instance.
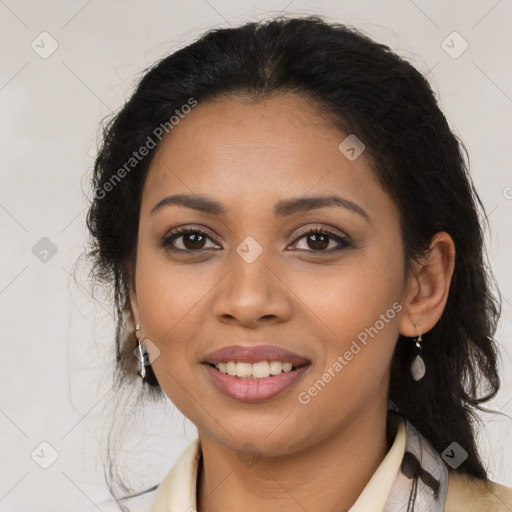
(330, 475)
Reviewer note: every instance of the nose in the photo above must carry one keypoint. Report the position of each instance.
(252, 294)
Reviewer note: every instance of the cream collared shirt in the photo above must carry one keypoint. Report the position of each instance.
(177, 492)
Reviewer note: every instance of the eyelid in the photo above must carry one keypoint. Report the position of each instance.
(330, 231)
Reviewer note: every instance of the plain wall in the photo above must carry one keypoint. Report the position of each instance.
(56, 339)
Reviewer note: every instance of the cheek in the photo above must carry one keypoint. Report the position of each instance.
(357, 308)
(167, 292)
(167, 302)
(169, 298)
(359, 315)
(352, 297)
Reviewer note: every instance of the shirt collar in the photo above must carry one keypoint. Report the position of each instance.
(177, 492)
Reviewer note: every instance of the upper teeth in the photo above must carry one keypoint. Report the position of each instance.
(259, 370)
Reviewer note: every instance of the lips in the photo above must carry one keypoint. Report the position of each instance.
(254, 389)
(255, 354)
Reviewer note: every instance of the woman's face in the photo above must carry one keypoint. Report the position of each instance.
(258, 278)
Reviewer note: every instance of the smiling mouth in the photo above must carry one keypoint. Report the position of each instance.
(259, 370)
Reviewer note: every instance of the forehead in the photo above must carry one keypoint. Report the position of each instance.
(243, 151)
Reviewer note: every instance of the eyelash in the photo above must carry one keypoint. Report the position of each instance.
(181, 231)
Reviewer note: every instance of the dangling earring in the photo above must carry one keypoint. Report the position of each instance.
(139, 353)
(418, 365)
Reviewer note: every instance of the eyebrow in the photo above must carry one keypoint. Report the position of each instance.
(283, 208)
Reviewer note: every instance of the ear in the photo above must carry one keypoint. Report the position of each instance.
(134, 304)
(427, 287)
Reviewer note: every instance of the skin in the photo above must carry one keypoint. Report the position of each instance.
(248, 156)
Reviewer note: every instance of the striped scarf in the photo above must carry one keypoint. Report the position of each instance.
(421, 484)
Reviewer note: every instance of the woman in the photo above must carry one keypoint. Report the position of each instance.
(295, 249)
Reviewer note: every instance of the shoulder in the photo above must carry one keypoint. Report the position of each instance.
(470, 494)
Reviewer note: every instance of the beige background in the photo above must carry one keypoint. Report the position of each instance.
(56, 340)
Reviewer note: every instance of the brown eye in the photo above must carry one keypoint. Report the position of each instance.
(193, 241)
(318, 240)
(186, 240)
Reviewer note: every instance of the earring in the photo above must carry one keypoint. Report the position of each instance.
(418, 365)
(140, 354)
